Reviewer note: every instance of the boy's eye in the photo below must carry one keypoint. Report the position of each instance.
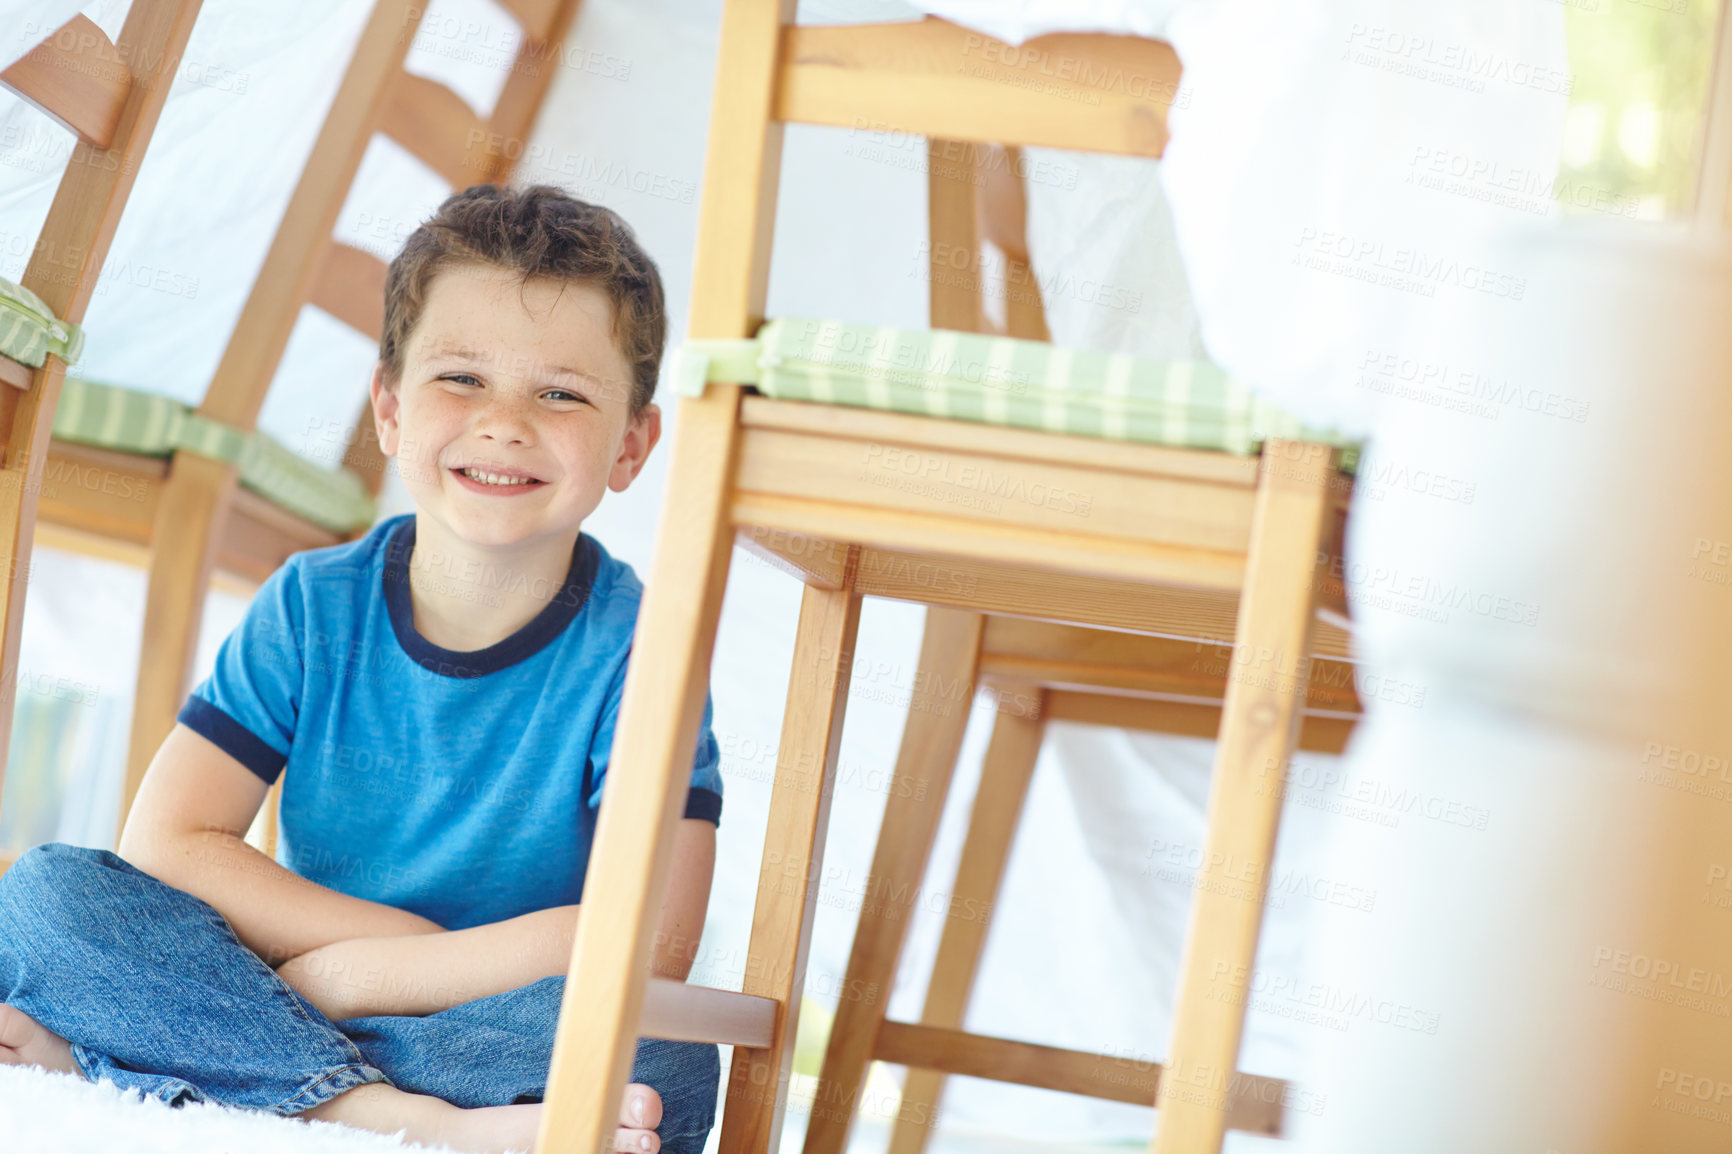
(565, 395)
(461, 378)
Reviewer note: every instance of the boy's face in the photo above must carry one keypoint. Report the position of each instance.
(514, 381)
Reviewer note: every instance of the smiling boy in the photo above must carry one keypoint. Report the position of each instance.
(439, 699)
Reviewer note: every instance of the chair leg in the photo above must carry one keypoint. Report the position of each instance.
(1259, 726)
(655, 738)
(937, 717)
(183, 551)
(793, 860)
(1004, 776)
(26, 419)
(63, 271)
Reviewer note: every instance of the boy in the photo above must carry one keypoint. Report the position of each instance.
(440, 698)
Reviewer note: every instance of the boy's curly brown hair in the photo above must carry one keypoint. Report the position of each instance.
(537, 231)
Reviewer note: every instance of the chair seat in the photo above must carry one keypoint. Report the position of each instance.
(1001, 381)
(29, 330)
(152, 425)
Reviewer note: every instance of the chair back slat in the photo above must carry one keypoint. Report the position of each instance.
(438, 129)
(1089, 92)
(78, 78)
(543, 21)
(350, 285)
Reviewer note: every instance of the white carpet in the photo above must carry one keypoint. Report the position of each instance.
(43, 1113)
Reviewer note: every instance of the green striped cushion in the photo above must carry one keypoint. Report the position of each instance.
(152, 425)
(29, 331)
(997, 380)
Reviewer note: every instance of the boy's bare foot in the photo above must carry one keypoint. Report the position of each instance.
(26, 1042)
(489, 1130)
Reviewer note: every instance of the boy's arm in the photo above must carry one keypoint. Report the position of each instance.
(187, 828)
(426, 974)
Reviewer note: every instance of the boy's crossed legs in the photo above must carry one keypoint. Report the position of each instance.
(92, 948)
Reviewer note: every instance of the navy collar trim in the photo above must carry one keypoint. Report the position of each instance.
(561, 608)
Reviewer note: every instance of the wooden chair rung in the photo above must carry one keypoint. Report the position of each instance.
(350, 285)
(1318, 733)
(1257, 1101)
(77, 77)
(1070, 657)
(15, 373)
(937, 79)
(680, 1012)
(437, 127)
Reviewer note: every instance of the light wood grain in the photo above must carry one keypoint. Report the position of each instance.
(843, 423)
(1003, 540)
(737, 211)
(1318, 732)
(937, 716)
(350, 285)
(1096, 93)
(655, 738)
(1066, 656)
(793, 860)
(1256, 1105)
(665, 689)
(77, 78)
(810, 559)
(680, 1012)
(63, 271)
(101, 503)
(998, 802)
(952, 206)
(541, 56)
(13, 373)
(183, 554)
(1259, 724)
(1006, 588)
(436, 127)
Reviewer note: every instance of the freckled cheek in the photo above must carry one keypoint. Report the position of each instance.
(428, 427)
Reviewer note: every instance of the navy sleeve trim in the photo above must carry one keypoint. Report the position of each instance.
(238, 741)
(704, 804)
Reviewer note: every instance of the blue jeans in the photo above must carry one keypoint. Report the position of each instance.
(156, 993)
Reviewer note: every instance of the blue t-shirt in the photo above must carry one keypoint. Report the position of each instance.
(460, 786)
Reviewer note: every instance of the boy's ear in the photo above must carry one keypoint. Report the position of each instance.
(641, 435)
(386, 406)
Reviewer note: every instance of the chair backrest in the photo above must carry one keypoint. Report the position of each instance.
(1090, 92)
(306, 265)
(111, 102)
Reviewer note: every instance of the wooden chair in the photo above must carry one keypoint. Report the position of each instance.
(195, 519)
(1174, 534)
(79, 78)
(1037, 671)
